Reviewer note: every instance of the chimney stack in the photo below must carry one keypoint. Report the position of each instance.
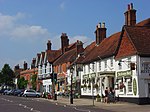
(25, 65)
(49, 44)
(64, 42)
(100, 33)
(17, 67)
(33, 63)
(130, 16)
(79, 47)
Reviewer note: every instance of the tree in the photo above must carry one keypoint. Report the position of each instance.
(33, 82)
(7, 75)
(22, 83)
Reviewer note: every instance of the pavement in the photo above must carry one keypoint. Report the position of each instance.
(116, 107)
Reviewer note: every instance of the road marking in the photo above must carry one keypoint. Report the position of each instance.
(81, 110)
(20, 104)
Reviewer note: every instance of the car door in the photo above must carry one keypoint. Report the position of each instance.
(33, 93)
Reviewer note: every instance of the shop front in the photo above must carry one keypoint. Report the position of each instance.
(106, 80)
(126, 86)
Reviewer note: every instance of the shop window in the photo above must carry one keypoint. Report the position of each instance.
(129, 86)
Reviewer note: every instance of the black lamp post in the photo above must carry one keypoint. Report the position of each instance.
(71, 94)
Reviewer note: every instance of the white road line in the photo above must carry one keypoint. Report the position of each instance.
(83, 110)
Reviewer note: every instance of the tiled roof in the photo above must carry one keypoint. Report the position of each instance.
(52, 55)
(86, 51)
(105, 49)
(135, 40)
(126, 48)
(144, 23)
(140, 37)
(89, 48)
(68, 56)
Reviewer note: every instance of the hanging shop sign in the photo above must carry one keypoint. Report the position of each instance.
(124, 73)
(134, 87)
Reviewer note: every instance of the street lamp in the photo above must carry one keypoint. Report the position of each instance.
(71, 94)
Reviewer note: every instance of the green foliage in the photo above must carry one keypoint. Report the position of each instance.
(33, 82)
(22, 83)
(7, 75)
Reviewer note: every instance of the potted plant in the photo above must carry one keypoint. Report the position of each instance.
(98, 98)
(89, 86)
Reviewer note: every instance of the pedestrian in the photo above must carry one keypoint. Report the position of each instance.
(106, 95)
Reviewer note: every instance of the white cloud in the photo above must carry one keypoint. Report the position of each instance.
(62, 5)
(29, 32)
(7, 22)
(86, 40)
(10, 28)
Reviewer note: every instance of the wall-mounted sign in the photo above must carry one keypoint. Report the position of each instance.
(124, 73)
(145, 68)
(134, 87)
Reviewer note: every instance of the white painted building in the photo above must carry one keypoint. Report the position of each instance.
(121, 62)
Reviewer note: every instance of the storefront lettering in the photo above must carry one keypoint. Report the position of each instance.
(124, 73)
(145, 67)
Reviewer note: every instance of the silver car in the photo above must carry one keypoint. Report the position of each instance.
(31, 93)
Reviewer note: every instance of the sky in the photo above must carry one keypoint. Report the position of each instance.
(27, 25)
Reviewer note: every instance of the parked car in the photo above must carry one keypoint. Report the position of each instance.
(19, 92)
(2, 91)
(6, 91)
(31, 93)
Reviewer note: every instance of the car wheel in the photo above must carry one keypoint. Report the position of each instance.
(37, 96)
(25, 95)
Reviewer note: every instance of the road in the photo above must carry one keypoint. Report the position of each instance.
(21, 104)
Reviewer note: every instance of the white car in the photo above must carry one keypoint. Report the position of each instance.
(31, 93)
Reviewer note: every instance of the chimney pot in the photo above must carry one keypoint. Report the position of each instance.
(99, 25)
(103, 25)
(128, 6)
(131, 6)
(49, 45)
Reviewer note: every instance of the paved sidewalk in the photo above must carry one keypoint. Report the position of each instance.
(116, 107)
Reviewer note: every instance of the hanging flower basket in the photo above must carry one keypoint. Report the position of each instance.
(89, 86)
(121, 86)
(96, 85)
(84, 86)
